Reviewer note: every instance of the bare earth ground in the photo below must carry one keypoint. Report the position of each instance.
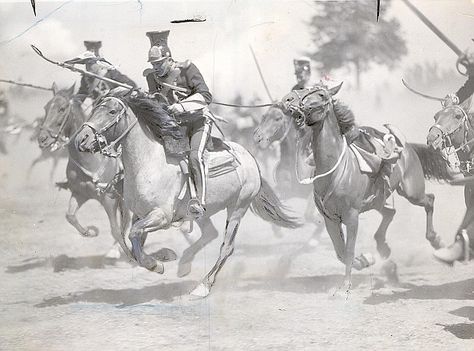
(58, 292)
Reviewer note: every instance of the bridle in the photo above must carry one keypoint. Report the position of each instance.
(303, 114)
(59, 139)
(298, 111)
(447, 133)
(106, 148)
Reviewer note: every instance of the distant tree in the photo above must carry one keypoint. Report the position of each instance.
(347, 33)
(428, 76)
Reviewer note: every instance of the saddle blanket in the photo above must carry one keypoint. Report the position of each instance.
(220, 162)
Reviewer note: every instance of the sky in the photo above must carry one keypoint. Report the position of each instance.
(277, 31)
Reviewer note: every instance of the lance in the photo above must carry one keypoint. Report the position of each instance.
(433, 28)
(261, 74)
(25, 85)
(90, 74)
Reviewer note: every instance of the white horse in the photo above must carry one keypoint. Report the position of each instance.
(153, 183)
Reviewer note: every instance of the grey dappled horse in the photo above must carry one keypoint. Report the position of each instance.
(153, 182)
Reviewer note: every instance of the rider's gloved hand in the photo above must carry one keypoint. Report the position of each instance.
(450, 99)
(176, 108)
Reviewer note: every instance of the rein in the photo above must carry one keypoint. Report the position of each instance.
(106, 148)
(316, 177)
(56, 135)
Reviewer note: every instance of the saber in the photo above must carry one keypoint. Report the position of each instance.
(433, 28)
(25, 85)
(260, 73)
(421, 94)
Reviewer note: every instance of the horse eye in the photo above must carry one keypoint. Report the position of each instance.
(112, 112)
(62, 109)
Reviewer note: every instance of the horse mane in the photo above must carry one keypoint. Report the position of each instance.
(149, 111)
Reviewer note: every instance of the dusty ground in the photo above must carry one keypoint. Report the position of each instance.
(58, 292)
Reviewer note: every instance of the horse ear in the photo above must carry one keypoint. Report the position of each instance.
(54, 88)
(70, 91)
(335, 90)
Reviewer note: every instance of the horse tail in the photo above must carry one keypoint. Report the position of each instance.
(268, 206)
(434, 165)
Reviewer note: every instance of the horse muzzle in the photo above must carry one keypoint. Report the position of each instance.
(85, 140)
(435, 138)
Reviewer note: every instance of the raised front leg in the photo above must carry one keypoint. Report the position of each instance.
(75, 203)
(387, 213)
(154, 220)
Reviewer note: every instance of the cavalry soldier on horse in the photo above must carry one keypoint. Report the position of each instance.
(93, 87)
(182, 87)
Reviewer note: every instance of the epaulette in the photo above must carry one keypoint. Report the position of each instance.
(148, 71)
(184, 64)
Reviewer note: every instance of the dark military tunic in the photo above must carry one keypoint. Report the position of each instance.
(185, 75)
(89, 84)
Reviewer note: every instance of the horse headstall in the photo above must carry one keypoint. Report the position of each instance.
(446, 134)
(105, 147)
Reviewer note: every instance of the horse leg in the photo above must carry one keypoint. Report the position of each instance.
(387, 213)
(154, 220)
(33, 164)
(53, 169)
(336, 234)
(75, 203)
(352, 226)
(227, 248)
(208, 234)
(426, 201)
(111, 207)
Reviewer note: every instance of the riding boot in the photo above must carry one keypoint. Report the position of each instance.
(196, 205)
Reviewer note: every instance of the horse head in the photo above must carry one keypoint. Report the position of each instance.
(274, 126)
(108, 124)
(57, 118)
(310, 105)
(451, 128)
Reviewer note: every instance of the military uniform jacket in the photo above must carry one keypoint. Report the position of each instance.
(183, 74)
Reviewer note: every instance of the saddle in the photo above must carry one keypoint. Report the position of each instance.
(372, 147)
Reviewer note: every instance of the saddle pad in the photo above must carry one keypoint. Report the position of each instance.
(220, 163)
(368, 162)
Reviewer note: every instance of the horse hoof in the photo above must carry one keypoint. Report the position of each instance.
(114, 253)
(91, 232)
(165, 255)
(152, 265)
(159, 268)
(201, 290)
(184, 269)
(436, 242)
(384, 250)
(363, 261)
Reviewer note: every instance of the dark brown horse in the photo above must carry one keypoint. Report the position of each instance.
(86, 173)
(341, 190)
(453, 132)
